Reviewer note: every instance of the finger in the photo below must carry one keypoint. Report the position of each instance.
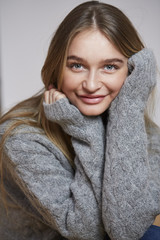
(59, 95)
(46, 97)
(51, 96)
(54, 95)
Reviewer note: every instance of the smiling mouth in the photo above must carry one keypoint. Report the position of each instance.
(89, 99)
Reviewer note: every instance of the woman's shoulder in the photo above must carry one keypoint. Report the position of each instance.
(15, 136)
(25, 140)
(15, 127)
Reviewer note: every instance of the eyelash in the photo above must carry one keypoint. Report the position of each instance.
(77, 66)
(74, 66)
(113, 66)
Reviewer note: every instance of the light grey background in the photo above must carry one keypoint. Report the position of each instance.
(26, 30)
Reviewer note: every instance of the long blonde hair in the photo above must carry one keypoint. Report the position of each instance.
(93, 14)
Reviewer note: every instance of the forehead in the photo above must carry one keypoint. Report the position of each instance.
(93, 44)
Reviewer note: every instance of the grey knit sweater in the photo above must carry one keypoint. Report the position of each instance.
(51, 199)
(131, 186)
(48, 200)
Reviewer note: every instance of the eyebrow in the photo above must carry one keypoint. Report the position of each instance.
(108, 60)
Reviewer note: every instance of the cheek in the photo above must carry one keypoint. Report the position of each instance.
(121, 79)
(71, 82)
(116, 84)
(67, 83)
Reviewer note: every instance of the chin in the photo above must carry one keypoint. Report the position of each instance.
(92, 112)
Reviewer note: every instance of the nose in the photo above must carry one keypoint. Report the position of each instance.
(92, 82)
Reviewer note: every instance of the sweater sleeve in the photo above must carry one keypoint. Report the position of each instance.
(67, 201)
(88, 140)
(131, 193)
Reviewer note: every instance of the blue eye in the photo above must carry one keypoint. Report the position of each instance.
(110, 67)
(77, 65)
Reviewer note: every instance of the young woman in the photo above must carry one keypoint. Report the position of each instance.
(81, 159)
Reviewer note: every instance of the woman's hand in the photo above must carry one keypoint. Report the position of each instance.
(52, 95)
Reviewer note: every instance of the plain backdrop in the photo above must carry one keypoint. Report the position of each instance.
(26, 30)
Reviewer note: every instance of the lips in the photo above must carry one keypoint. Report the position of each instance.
(92, 99)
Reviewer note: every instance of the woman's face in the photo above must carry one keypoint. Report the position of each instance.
(94, 74)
